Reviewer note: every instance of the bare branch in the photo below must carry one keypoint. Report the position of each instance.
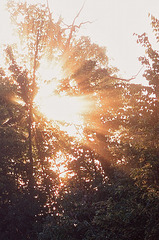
(127, 80)
(78, 14)
(138, 72)
(121, 79)
(48, 8)
(47, 3)
(82, 24)
(73, 27)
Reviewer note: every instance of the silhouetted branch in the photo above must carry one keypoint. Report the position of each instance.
(127, 80)
(73, 27)
(48, 8)
(78, 14)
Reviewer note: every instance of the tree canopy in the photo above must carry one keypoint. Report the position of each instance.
(98, 180)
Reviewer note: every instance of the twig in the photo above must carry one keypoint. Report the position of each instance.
(73, 27)
(128, 80)
(138, 72)
(78, 13)
(48, 8)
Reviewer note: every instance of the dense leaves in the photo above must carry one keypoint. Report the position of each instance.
(110, 188)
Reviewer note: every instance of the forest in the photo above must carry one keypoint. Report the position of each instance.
(85, 164)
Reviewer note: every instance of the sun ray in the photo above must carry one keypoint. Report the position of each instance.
(67, 110)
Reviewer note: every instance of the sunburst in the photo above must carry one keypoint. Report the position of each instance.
(65, 109)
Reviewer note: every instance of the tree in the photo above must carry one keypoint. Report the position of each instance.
(34, 180)
(120, 209)
(139, 136)
(111, 179)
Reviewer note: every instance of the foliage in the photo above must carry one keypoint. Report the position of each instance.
(117, 211)
(122, 208)
(111, 186)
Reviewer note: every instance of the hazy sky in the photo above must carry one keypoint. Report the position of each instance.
(113, 25)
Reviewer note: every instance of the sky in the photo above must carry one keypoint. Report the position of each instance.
(113, 24)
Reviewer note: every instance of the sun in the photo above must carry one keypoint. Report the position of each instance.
(68, 111)
(60, 108)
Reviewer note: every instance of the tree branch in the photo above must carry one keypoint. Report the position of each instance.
(73, 27)
(48, 8)
(127, 80)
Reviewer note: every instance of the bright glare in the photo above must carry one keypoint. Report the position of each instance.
(58, 164)
(65, 109)
(49, 70)
(61, 108)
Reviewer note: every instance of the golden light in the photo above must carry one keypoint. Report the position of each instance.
(59, 165)
(61, 108)
(66, 109)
